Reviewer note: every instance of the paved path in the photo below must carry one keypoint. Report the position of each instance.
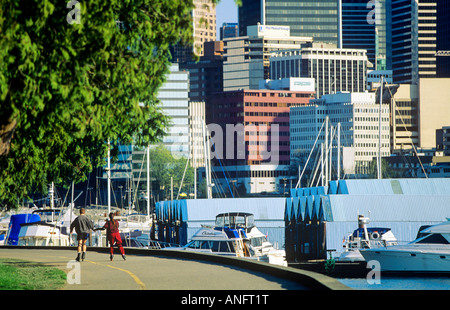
(143, 272)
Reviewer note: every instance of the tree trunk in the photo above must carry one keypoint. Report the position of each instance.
(6, 134)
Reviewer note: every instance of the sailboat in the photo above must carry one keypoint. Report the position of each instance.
(52, 228)
(131, 225)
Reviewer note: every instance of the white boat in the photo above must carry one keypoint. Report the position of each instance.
(365, 238)
(49, 231)
(429, 253)
(235, 234)
(4, 226)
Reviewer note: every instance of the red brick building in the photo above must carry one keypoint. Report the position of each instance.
(253, 143)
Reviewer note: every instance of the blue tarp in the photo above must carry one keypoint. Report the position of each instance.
(14, 226)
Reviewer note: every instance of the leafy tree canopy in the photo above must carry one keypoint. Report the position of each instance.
(164, 166)
(66, 88)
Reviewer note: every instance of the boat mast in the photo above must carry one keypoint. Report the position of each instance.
(148, 180)
(52, 196)
(331, 153)
(207, 163)
(326, 153)
(338, 151)
(379, 132)
(108, 172)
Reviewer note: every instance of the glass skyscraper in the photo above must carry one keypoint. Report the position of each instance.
(443, 38)
(367, 25)
(310, 18)
(413, 40)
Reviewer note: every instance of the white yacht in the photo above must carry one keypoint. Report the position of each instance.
(365, 238)
(235, 234)
(49, 231)
(429, 253)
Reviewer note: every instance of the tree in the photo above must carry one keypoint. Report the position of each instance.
(386, 171)
(164, 167)
(71, 80)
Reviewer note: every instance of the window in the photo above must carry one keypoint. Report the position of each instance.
(434, 238)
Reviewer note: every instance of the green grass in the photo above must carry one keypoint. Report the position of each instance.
(23, 275)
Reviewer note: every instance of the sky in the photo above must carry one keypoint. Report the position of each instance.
(226, 12)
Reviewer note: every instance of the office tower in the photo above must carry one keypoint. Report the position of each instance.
(443, 38)
(318, 18)
(175, 103)
(434, 109)
(246, 59)
(413, 40)
(374, 78)
(204, 23)
(333, 69)
(358, 114)
(417, 111)
(206, 75)
(229, 30)
(197, 133)
(251, 136)
(404, 118)
(367, 25)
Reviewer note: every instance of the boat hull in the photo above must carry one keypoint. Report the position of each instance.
(351, 256)
(42, 235)
(412, 259)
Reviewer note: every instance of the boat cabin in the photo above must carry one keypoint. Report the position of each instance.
(236, 220)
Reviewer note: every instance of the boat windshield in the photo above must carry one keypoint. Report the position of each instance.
(235, 219)
(214, 246)
(258, 241)
(433, 238)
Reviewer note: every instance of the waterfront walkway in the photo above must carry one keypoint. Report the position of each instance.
(149, 270)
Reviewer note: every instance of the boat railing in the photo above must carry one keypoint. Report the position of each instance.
(154, 244)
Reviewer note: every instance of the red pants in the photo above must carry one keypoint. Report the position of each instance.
(115, 238)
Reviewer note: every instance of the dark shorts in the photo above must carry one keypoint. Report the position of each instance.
(82, 236)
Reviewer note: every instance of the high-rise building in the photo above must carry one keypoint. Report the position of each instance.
(333, 69)
(251, 136)
(434, 109)
(229, 30)
(367, 25)
(358, 115)
(246, 59)
(318, 18)
(413, 40)
(443, 38)
(197, 129)
(206, 75)
(204, 23)
(404, 117)
(174, 97)
(417, 111)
